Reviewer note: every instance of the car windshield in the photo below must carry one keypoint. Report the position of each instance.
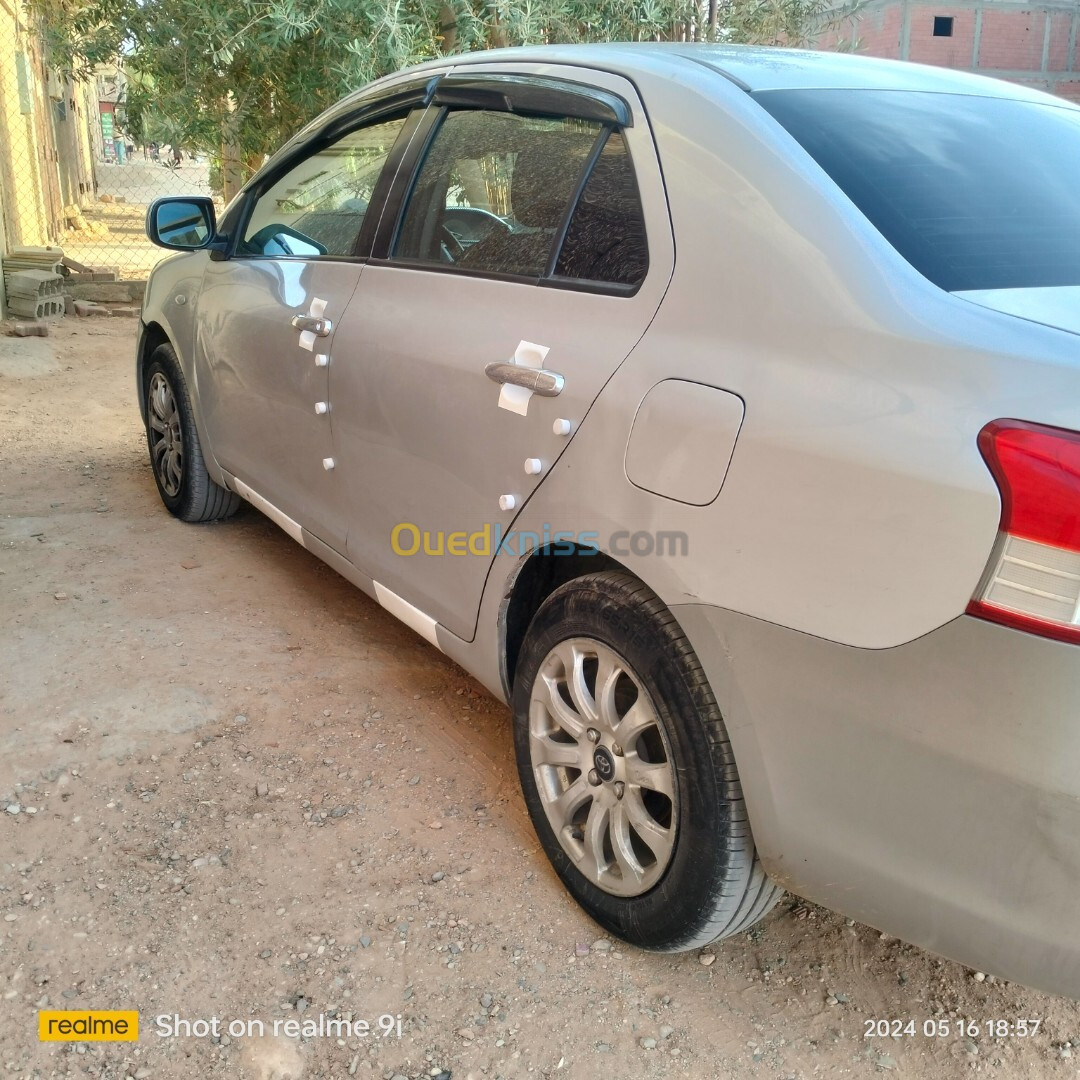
(975, 192)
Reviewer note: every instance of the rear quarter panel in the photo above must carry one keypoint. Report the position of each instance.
(856, 507)
(903, 764)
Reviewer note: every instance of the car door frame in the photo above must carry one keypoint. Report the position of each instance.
(538, 88)
(519, 92)
(406, 101)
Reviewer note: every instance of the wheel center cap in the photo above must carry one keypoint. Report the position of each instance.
(604, 763)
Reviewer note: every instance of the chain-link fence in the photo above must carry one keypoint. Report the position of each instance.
(72, 177)
(109, 230)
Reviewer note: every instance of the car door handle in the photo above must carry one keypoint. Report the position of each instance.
(539, 381)
(318, 327)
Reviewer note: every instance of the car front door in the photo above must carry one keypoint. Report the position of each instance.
(531, 253)
(267, 324)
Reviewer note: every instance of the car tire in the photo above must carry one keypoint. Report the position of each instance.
(663, 872)
(176, 456)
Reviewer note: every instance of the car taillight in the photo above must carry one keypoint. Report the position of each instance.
(1033, 580)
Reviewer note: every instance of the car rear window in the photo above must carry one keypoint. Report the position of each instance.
(975, 192)
(606, 240)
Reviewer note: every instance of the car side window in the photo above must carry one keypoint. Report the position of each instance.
(606, 240)
(317, 208)
(494, 190)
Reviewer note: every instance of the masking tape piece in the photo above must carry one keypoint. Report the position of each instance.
(515, 399)
(318, 308)
(307, 340)
(529, 354)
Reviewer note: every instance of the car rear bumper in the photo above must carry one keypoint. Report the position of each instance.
(931, 790)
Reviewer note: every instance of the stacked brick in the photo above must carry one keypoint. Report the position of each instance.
(35, 294)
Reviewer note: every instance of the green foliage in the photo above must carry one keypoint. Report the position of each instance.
(780, 22)
(249, 73)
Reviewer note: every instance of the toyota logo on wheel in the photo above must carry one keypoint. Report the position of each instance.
(604, 763)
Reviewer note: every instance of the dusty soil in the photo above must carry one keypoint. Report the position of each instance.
(233, 787)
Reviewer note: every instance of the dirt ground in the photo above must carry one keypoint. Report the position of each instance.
(232, 786)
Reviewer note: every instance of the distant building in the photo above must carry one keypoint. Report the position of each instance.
(111, 93)
(1032, 44)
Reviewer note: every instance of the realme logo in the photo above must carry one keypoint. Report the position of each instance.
(70, 1026)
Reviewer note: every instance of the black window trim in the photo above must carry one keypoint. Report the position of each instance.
(533, 95)
(389, 227)
(555, 281)
(424, 104)
(404, 180)
(589, 285)
(571, 209)
(457, 271)
(585, 285)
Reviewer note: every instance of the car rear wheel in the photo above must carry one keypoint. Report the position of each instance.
(185, 486)
(627, 769)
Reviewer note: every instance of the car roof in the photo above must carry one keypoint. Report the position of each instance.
(751, 67)
(756, 67)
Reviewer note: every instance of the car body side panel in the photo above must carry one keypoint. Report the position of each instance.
(910, 766)
(260, 380)
(171, 302)
(856, 506)
(906, 777)
(943, 807)
(419, 434)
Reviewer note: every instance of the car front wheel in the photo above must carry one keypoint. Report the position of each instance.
(628, 772)
(185, 486)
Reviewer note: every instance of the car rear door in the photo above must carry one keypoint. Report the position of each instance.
(482, 343)
(268, 315)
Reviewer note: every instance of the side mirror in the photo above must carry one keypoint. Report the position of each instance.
(181, 224)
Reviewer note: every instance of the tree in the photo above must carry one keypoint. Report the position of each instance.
(235, 78)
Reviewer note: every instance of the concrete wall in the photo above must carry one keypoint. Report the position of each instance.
(46, 156)
(72, 117)
(1033, 44)
(3, 248)
(32, 203)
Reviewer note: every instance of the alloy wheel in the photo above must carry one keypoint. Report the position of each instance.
(166, 440)
(603, 767)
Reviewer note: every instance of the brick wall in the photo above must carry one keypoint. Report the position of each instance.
(879, 33)
(1060, 31)
(1035, 44)
(951, 52)
(1012, 40)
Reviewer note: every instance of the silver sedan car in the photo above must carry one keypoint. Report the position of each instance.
(716, 408)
